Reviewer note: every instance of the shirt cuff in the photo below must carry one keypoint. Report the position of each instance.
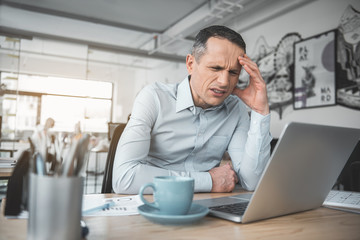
(203, 181)
(259, 123)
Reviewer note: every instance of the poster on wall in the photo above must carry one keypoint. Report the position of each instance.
(314, 71)
(276, 64)
(348, 58)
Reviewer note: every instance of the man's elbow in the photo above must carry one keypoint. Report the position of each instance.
(121, 185)
(248, 184)
(249, 188)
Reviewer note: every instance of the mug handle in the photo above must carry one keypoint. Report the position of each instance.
(146, 202)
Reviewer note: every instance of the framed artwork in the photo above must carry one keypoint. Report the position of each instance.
(314, 71)
(348, 59)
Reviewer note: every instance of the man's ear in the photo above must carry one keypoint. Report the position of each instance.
(190, 60)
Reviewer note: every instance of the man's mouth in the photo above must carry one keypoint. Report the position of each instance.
(218, 92)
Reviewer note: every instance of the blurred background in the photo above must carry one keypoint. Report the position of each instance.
(82, 62)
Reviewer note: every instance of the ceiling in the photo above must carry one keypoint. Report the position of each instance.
(160, 29)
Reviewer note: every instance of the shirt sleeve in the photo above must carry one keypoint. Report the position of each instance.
(249, 148)
(131, 169)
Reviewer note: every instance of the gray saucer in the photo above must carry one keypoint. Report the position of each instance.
(195, 213)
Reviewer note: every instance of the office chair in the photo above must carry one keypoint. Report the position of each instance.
(273, 144)
(107, 180)
(349, 178)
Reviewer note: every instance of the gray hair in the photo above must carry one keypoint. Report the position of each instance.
(199, 48)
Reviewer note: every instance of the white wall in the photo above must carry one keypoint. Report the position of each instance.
(311, 19)
(167, 72)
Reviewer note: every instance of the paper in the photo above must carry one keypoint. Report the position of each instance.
(123, 206)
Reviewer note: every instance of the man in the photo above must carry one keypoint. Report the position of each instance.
(184, 129)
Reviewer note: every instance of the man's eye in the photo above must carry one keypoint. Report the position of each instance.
(216, 68)
(233, 73)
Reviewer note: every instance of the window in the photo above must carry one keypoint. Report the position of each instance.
(29, 100)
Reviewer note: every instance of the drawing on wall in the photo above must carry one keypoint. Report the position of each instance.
(275, 65)
(314, 71)
(348, 58)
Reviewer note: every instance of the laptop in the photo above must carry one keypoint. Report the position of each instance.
(301, 171)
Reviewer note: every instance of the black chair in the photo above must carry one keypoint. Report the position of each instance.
(17, 188)
(107, 180)
(349, 179)
(273, 144)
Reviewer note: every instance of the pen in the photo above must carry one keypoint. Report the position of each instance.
(84, 229)
(40, 164)
(80, 153)
(98, 208)
(68, 164)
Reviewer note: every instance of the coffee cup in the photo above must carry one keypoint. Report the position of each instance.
(173, 195)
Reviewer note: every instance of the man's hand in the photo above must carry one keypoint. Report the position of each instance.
(254, 95)
(224, 178)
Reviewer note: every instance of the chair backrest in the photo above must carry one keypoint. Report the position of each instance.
(111, 128)
(350, 175)
(107, 180)
(17, 188)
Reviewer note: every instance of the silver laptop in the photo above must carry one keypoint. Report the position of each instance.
(303, 168)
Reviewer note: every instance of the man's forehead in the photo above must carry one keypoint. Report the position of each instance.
(213, 42)
(229, 60)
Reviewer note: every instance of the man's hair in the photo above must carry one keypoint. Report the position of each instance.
(222, 32)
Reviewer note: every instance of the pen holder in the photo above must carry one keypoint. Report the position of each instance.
(55, 205)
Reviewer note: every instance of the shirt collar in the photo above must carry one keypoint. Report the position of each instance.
(184, 98)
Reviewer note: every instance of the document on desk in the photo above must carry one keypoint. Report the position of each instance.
(116, 206)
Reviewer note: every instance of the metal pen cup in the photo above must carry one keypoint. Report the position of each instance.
(55, 205)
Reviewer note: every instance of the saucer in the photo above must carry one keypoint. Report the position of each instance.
(195, 213)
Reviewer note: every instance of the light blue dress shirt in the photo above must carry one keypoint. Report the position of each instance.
(168, 135)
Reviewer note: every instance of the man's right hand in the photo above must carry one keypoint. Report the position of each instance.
(224, 178)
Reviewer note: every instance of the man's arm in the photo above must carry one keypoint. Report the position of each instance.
(223, 178)
(250, 145)
(131, 169)
(249, 149)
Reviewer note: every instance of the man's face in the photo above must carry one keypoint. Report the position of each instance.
(216, 74)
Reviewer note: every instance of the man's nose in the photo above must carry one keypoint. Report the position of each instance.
(223, 79)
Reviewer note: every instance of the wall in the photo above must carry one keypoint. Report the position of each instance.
(311, 19)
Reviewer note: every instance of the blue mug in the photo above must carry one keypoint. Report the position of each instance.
(173, 195)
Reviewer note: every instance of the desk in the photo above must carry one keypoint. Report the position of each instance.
(321, 223)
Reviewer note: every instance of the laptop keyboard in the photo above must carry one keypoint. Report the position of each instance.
(236, 208)
(343, 199)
